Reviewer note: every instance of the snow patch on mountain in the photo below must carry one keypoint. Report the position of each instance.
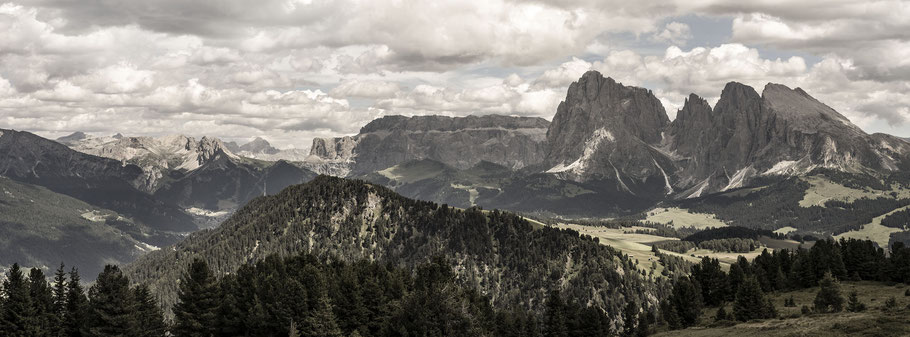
(591, 145)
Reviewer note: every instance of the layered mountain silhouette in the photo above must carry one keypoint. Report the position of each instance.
(620, 138)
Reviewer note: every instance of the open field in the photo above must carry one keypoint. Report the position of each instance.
(822, 189)
(638, 246)
(874, 230)
(873, 322)
(683, 218)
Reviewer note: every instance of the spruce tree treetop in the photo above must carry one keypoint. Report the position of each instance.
(195, 314)
(829, 298)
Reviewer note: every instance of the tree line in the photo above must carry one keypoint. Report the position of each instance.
(32, 306)
(302, 295)
(747, 283)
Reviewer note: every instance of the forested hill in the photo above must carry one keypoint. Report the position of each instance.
(500, 254)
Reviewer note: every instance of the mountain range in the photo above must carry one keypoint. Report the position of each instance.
(610, 150)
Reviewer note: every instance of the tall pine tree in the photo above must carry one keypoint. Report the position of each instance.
(195, 313)
(750, 302)
(17, 318)
(111, 305)
(74, 318)
(149, 318)
(42, 299)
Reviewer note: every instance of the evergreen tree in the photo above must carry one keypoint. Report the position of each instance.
(750, 302)
(149, 318)
(712, 281)
(195, 314)
(42, 299)
(629, 314)
(17, 318)
(853, 303)
(74, 319)
(687, 302)
(644, 326)
(60, 296)
(829, 297)
(556, 325)
(321, 320)
(112, 308)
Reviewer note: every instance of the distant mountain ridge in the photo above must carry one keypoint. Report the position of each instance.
(619, 143)
(461, 142)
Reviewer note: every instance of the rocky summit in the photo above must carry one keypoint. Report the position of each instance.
(605, 131)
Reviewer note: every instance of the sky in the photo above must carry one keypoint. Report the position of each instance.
(291, 70)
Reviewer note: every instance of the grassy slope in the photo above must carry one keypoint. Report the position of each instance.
(42, 228)
(874, 230)
(683, 218)
(873, 322)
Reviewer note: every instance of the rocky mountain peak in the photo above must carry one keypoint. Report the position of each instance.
(73, 137)
(259, 145)
(738, 98)
(603, 130)
(803, 112)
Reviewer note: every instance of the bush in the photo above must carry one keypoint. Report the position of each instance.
(907, 292)
(829, 298)
(890, 304)
(853, 303)
(805, 310)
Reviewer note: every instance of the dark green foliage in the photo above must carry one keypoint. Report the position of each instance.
(195, 311)
(686, 301)
(829, 298)
(111, 305)
(18, 316)
(805, 310)
(734, 245)
(721, 314)
(149, 317)
(712, 281)
(74, 318)
(500, 254)
(750, 302)
(59, 294)
(899, 219)
(790, 302)
(42, 299)
(853, 303)
(730, 232)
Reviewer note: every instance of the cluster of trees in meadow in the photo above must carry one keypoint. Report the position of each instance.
(747, 283)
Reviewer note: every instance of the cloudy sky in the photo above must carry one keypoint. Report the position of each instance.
(291, 70)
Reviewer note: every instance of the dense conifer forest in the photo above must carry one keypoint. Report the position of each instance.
(517, 264)
(296, 296)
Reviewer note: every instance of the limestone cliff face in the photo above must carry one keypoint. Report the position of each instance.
(605, 131)
(783, 131)
(460, 142)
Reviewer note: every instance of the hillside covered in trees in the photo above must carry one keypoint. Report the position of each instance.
(517, 265)
(296, 296)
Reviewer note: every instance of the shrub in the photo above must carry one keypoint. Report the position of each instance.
(890, 304)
